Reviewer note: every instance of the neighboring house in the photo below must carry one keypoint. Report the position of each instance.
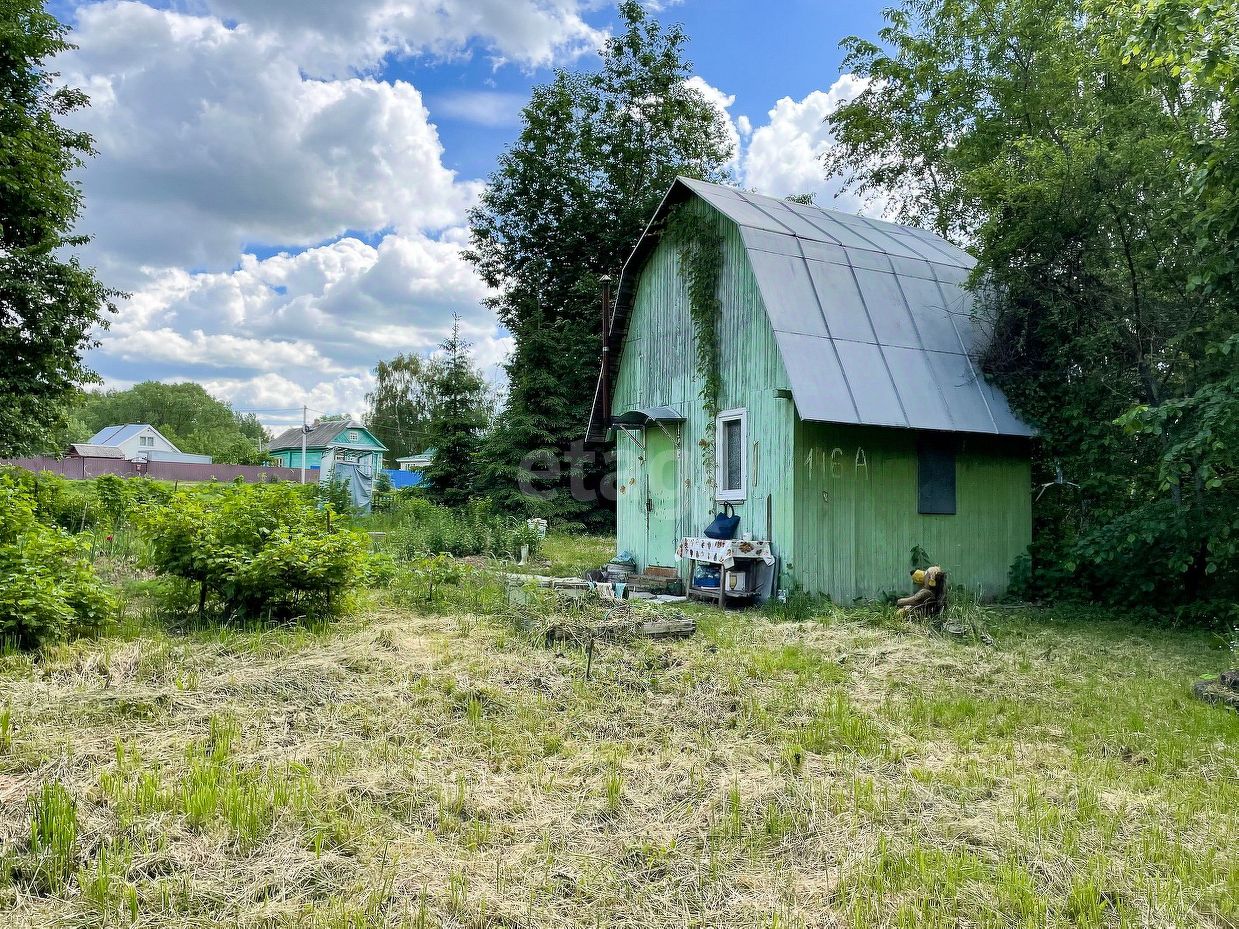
(416, 462)
(329, 442)
(853, 424)
(411, 470)
(135, 442)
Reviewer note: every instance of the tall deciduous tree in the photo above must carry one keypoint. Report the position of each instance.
(458, 414)
(399, 405)
(596, 153)
(49, 303)
(1022, 130)
(1194, 45)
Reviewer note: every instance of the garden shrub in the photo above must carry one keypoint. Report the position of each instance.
(107, 500)
(71, 505)
(336, 495)
(384, 493)
(121, 499)
(263, 551)
(48, 588)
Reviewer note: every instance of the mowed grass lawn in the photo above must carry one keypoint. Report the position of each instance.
(404, 768)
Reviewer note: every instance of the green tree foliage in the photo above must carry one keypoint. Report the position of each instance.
(186, 415)
(399, 405)
(596, 153)
(458, 416)
(105, 503)
(1194, 46)
(1022, 130)
(259, 551)
(49, 303)
(48, 589)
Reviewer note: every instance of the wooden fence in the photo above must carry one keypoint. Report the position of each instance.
(77, 469)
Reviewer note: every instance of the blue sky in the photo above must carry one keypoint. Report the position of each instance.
(281, 185)
(759, 59)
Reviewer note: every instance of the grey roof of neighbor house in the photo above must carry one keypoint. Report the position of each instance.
(320, 436)
(872, 319)
(88, 450)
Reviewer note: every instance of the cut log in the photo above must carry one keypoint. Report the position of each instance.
(1218, 692)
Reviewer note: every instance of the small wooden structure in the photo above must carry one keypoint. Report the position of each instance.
(851, 422)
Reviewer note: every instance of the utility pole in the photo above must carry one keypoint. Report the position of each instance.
(604, 382)
(304, 414)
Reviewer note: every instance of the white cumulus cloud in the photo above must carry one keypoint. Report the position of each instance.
(783, 157)
(329, 38)
(210, 138)
(217, 146)
(322, 316)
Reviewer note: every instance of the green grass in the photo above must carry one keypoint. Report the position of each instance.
(571, 555)
(421, 765)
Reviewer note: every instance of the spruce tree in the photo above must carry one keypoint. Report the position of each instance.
(596, 153)
(457, 418)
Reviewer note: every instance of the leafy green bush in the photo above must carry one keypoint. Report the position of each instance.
(336, 495)
(384, 493)
(262, 551)
(68, 504)
(48, 589)
(107, 500)
(423, 528)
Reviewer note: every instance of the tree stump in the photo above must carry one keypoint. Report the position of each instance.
(1222, 690)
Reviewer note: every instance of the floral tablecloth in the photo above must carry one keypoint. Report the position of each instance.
(723, 551)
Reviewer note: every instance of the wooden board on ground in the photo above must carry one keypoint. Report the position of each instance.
(673, 624)
(656, 571)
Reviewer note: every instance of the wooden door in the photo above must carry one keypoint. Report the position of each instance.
(662, 499)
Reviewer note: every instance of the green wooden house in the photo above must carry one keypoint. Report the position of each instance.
(852, 424)
(329, 442)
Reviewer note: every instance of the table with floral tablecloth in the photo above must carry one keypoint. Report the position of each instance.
(724, 551)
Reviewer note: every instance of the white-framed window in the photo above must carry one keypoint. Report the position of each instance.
(146, 441)
(353, 436)
(730, 441)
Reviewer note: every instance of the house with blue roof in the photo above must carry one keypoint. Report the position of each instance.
(135, 442)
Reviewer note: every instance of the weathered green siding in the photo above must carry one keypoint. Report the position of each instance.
(857, 520)
(659, 368)
(843, 522)
(291, 458)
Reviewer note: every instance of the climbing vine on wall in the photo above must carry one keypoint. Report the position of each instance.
(700, 246)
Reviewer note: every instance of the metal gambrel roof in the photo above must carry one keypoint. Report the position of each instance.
(872, 319)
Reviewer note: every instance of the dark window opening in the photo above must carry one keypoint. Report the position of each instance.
(936, 475)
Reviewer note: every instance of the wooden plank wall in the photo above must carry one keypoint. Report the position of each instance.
(856, 502)
(659, 368)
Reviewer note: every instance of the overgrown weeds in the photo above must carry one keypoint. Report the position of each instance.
(421, 528)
